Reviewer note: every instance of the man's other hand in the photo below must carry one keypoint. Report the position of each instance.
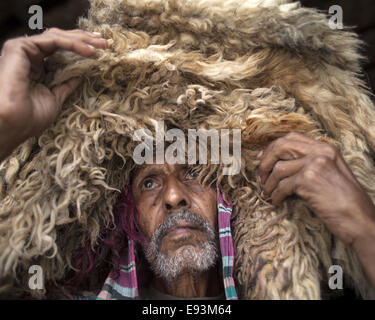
(316, 172)
(25, 109)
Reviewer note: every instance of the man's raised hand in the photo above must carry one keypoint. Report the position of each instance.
(27, 110)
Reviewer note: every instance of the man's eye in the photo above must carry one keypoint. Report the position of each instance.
(191, 175)
(149, 184)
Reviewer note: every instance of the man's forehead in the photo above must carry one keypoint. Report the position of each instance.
(158, 168)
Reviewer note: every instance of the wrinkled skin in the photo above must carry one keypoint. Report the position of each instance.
(161, 190)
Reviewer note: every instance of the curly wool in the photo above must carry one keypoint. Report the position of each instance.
(268, 67)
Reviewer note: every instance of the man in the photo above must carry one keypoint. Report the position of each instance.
(178, 217)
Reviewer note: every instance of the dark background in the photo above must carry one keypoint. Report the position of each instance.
(64, 13)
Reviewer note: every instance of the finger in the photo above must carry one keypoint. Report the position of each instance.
(284, 189)
(282, 170)
(63, 91)
(48, 44)
(290, 136)
(88, 33)
(95, 40)
(281, 149)
(21, 55)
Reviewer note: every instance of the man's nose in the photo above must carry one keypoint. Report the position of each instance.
(175, 195)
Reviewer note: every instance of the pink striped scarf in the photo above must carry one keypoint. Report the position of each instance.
(125, 285)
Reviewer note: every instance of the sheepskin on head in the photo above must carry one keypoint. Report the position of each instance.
(267, 67)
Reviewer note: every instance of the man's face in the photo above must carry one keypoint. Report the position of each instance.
(178, 217)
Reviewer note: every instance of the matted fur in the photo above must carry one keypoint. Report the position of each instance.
(267, 67)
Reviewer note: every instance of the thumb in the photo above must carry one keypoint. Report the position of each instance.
(63, 91)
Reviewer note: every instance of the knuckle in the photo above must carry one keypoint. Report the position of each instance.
(280, 187)
(330, 151)
(309, 175)
(279, 143)
(11, 43)
(278, 168)
(321, 161)
(80, 31)
(52, 30)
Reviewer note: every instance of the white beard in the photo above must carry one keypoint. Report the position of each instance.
(189, 258)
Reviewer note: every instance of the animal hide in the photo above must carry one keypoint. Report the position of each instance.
(268, 67)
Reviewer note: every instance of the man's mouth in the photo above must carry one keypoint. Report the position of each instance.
(181, 228)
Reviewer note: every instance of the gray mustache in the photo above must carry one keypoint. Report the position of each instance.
(174, 219)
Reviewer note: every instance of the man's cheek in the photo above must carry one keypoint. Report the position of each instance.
(144, 228)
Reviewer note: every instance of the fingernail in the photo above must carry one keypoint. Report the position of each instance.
(262, 194)
(91, 47)
(259, 155)
(97, 33)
